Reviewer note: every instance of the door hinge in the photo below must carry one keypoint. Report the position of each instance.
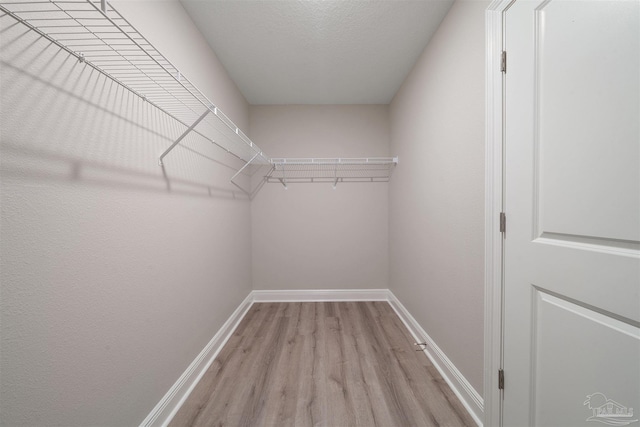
(500, 379)
(503, 222)
(503, 61)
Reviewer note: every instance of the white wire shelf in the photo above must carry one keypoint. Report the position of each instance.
(101, 38)
(332, 170)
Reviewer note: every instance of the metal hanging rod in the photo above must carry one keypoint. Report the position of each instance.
(335, 161)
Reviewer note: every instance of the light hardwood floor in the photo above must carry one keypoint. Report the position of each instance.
(333, 364)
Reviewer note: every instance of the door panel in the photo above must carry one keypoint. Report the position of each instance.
(582, 82)
(572, 200)
(588, 340)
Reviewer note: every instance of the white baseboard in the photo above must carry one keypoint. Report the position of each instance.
(165, 410)
(320, 295)
(469, 397)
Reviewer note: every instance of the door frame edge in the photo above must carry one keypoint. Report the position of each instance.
(494, 93)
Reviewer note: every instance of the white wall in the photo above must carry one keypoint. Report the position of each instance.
(113, 277)
(437, 192)
(311, 236)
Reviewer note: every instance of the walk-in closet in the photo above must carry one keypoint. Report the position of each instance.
(299, 213)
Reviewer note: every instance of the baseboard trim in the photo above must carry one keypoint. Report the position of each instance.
(168, 406)
(469, 397)
(320, 295)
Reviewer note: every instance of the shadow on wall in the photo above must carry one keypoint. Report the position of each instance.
(61, 120)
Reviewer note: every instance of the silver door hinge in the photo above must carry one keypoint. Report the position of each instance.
(503, 61)
(500, 379)
(503, 222)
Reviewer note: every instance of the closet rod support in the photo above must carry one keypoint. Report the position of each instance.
(181, 137)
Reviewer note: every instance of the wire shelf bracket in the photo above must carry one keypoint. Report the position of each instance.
(181, 137)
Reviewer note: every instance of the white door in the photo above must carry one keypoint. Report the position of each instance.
(572, 203)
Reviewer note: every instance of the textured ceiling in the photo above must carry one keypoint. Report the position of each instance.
(318, 52)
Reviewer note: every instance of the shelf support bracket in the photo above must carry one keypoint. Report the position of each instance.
(181, 137)
(283, 180)
(248, 193)
(242, 168)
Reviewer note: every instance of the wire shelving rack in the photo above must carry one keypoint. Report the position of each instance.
(101, 38)
(332, 170)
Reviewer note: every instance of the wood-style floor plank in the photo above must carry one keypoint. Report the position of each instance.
(332, 364)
